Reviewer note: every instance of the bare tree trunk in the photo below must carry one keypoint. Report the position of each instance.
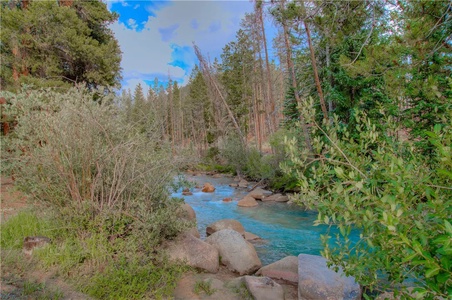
(206, 71)
(330, 78)
(314, 64)
(269, 77)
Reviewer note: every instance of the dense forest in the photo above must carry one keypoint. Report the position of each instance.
(349, 106)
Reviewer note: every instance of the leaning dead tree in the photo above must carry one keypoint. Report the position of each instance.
(207, 74)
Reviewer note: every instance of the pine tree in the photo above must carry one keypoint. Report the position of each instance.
(50, 43)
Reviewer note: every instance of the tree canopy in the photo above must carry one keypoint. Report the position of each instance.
(54, 43)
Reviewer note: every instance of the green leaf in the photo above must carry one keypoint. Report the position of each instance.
(432, 272)
(448, 226)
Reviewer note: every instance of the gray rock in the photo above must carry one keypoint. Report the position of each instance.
(194, 252)
(276, 198)
(188, 212)
(247, 201)
(264, 288)
(251, 236)
(225, 224)
(316, 281)
(243, 183)
(285, 269)
(236, 253)
(194, 232)
(259, 193)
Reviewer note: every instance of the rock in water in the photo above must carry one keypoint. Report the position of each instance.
(236, 254)
(264, 288)
(276, 198)
(247, 201)
(251, 236)
(285, 269)
(316, 281)
(208, 188)
(225, 224)
(243, 183)
(259, 193)
(194, 252)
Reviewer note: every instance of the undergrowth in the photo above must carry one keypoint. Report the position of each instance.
(105, 185)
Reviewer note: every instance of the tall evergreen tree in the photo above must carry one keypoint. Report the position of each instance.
(51, 43)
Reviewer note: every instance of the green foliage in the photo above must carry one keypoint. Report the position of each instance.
(204, 286)
(397, 198)
(48, 44)
(134, 279)
(108, 186)
(25, 223)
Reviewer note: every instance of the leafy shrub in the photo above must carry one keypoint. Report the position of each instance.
(108, 184)
(81, 156)
(398, 199)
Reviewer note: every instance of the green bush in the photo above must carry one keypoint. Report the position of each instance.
(399, 199)
(107, 183)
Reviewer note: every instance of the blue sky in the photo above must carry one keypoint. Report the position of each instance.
(156, 37)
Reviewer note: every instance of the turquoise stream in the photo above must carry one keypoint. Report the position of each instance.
(285, 229)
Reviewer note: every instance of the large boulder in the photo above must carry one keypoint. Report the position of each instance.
(225, 224)
(259, 193)
(188, 212)
(194, 252)
(208, 188)
(247, 201)
(194, 232)
(316, 281)
(236, 253)
(276, 198)
(264, 288)
(285, 269)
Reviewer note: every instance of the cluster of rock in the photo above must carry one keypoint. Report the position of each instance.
(250, 199)
(259, 194)
(227, 245)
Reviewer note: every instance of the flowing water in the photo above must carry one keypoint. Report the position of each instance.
(285, 229)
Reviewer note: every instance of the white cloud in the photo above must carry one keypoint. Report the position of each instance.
(132, 83)
(210, 24)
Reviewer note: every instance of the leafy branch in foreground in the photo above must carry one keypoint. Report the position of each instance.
(397, 198)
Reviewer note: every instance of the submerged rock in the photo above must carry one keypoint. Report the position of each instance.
(225, 224)
(316, 281)
(285, 269)
(236, 254)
